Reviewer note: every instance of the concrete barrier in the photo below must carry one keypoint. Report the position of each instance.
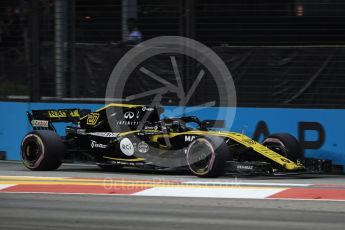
(320, 131)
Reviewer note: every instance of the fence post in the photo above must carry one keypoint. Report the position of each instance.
(187, 29)
(35, 51)
(70, 65)
(129, 10)
(60, 55)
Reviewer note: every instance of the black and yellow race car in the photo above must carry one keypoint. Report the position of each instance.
(123, 135)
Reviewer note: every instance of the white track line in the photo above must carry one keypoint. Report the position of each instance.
(209, 192)
(34, 177)
(239, 183)
(4, 186)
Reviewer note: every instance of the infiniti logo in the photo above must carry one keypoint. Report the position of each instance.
(128, 115)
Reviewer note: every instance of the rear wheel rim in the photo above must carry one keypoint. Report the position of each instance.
(200, 156)
(32, 152)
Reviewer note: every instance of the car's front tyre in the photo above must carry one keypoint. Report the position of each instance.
(285, 144)
(42, 150)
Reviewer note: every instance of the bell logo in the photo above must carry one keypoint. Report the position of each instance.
(94, 144)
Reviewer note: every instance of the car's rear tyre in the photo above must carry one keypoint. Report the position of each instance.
(42, 150)
(285, 144)
(206, 156)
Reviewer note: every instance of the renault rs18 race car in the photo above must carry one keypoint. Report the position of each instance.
(124, 135)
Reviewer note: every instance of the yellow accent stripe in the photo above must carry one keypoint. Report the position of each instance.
(127, 133)
(244, 140)
(114, 105)
(59, 179)
(123, 159)
(125, 183)
(118, 105)
(263, 150)
(136, 131)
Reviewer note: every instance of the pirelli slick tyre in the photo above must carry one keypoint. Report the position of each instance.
(42, 150)
(285, 144)
(206, 156)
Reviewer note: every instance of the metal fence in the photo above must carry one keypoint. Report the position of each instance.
(280, 53)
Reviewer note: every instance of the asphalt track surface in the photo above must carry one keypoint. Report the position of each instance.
(67, 211)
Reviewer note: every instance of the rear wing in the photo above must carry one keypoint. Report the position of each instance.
(43, 119)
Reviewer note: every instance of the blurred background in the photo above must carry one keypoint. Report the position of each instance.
(287, 53)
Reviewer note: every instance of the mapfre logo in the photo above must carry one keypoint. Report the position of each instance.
(128, 115)
(189, 138)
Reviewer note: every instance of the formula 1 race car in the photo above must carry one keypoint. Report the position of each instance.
(123, 135)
